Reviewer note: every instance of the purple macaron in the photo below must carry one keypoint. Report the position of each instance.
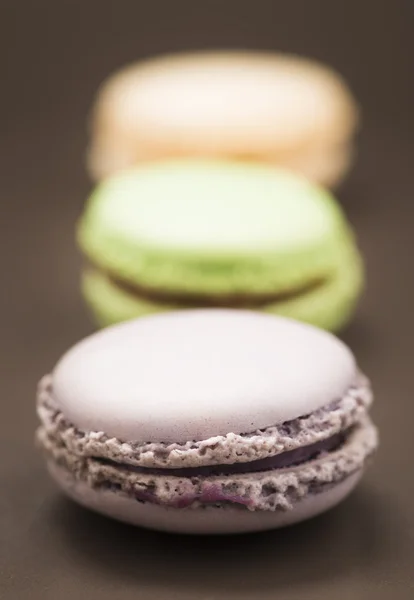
(207, 421)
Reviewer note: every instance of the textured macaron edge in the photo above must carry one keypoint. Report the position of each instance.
(319, 425)
(278, 489)
(209, 519)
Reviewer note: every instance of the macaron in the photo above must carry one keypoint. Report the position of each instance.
(207, 421)
(189, 233)
(280, 109)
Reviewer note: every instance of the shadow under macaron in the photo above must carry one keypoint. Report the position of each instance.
(355, 533)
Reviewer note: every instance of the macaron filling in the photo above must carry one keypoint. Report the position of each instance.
(192, 300)
(289, 458)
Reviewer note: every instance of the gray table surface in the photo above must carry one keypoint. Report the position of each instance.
(54, 54)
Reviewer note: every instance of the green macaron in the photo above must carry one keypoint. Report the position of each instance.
(205, 233)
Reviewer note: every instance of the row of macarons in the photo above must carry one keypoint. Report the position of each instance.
(217, 419)
(182, 218)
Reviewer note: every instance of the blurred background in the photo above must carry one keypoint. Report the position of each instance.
(53, 56)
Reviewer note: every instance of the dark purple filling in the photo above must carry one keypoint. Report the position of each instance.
(211, 492)
(289, 458)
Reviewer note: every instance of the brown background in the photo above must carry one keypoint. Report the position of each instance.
(54, 54)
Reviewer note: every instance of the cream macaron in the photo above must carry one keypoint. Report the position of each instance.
(276, 108)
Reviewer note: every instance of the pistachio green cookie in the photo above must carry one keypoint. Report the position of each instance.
(192, 233)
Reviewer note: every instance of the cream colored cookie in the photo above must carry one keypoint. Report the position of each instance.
(280, 109)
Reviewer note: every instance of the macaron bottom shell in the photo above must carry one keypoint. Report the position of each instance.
(328, 306)
(326, 163)
(206, 520)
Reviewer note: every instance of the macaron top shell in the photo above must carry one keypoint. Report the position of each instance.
(192, 375)
(225, 101)
(206, 226)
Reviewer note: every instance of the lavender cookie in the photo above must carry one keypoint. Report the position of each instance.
(207, 421)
